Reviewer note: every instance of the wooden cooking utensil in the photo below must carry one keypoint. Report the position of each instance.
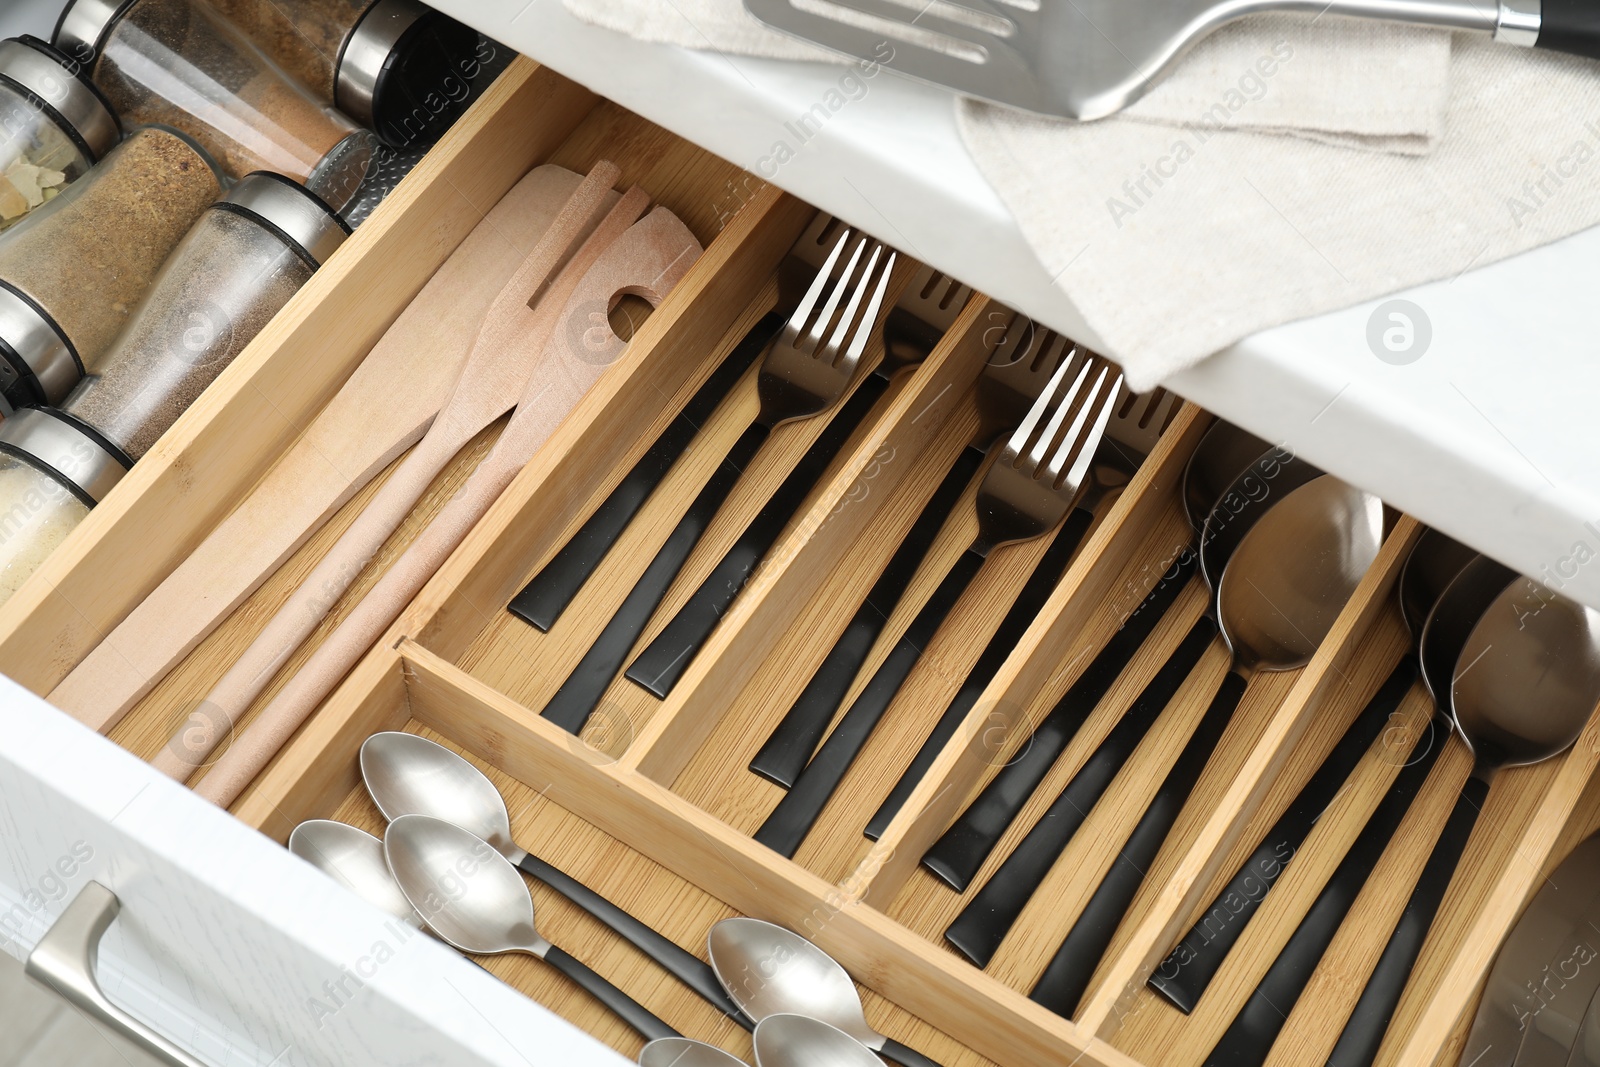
(496, 370)
(648, 261)
(382, 410)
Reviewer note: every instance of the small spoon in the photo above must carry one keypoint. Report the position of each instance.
(685, 1052)
(411, 775)
(809, 982)
(473, 898)
(1517, 668)
(354, 858)
(786, 1040)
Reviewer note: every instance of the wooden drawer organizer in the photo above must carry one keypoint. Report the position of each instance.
(654, 807)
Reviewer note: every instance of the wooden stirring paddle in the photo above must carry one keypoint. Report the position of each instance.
(383, 409)
(648, 261)
(497, 368)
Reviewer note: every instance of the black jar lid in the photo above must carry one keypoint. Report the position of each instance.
(40, 363)
(404, 72)
(83, 25)
(298, 216)
(67, 448)
(57, 85)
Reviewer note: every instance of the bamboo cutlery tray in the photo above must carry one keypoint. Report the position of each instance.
(653, 807)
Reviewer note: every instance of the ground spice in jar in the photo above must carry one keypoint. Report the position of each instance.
(36, 515)
(88, 257)
(304, 37)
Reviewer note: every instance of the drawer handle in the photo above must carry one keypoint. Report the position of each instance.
(65, 958)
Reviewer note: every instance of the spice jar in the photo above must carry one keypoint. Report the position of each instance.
(54, 126)
(72, 272)
(53, 469)
(234, 271)
(394, 66)
(180, 64)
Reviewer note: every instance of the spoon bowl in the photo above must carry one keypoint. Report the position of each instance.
(685, 1052)
(785, 1040)
(1223, 454)
(1432, 565)
(353, 858)
(411, 775)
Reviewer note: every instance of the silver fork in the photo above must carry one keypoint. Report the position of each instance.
(1028, 490)
(807, 369)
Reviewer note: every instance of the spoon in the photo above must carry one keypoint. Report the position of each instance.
(785, 1040)
(474, 899)
(1516, 667)
(685, 1052)
(809, 982)
(411, 775)
(1586, 1049)
(354, 858)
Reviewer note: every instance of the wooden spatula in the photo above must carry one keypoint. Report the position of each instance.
(383, 409)
(648, 261)
(497, 369)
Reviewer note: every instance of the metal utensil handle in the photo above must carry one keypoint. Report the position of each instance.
(641, 1019)
(904, 1055)
(65, 959)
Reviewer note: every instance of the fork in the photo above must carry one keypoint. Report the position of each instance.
(1026, 493)
(804, 373)
(1012, 379)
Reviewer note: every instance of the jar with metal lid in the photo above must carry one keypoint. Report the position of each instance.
(242, 262)
(53, 469)
(54, 126)
(178, 63)
(395, 66)
(72, 272)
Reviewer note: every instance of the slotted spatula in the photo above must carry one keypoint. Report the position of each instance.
(1086, 59)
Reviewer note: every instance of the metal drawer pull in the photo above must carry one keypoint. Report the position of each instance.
(65, 958)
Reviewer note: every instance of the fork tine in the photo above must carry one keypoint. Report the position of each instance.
(797, 321)
(1041, 447)
(1019, 437)
(847, 320)
(1091, 441)
(858, 343)
(820, 326)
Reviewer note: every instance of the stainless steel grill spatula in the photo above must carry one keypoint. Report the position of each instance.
(1086, 59)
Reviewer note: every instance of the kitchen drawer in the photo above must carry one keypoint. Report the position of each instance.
(652, 806)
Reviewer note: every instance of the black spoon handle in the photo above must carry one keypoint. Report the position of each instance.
(1040, 584)
(904, 1055)
(675, 960)
(961, 850)
(664, 660)
(583, 689)
(789, 746)
(1067, 976)
(1363, 1033)
(1183, 977)
(1251, 1035)
(625, 1007)
(547, 595)
(977, 932)
(800, 808)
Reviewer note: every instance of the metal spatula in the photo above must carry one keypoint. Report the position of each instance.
(1086, 59)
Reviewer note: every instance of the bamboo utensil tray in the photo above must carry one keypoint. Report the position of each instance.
(654, 807)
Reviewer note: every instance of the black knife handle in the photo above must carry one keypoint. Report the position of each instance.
(667, 954)
(1251, 1035)
(547, 595)
(1363, 1033)
(623, 1006)
(1183, 977)
(663, 661)
(1040, 584)
(790, 746)
(961, 850)
(980, 927)
(584, 688)
(1067, 976)
(904, 1055)
(800, 808)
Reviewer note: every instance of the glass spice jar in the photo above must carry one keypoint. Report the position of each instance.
(225, 281)
(72, 272)
(54, 126)
(53, 469)
(180, 64)
(395, 66)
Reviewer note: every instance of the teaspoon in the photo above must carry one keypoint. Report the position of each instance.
(787, 1040)
(354, 858)
(474, 899)
(685, 1052)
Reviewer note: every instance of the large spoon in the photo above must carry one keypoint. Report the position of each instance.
(411, 775)
(786, 1040)
(685, 1052)
(1516, 666)
(810, 982)
(474, 899)
(354, 859)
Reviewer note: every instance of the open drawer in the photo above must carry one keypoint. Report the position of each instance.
(652, 805)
